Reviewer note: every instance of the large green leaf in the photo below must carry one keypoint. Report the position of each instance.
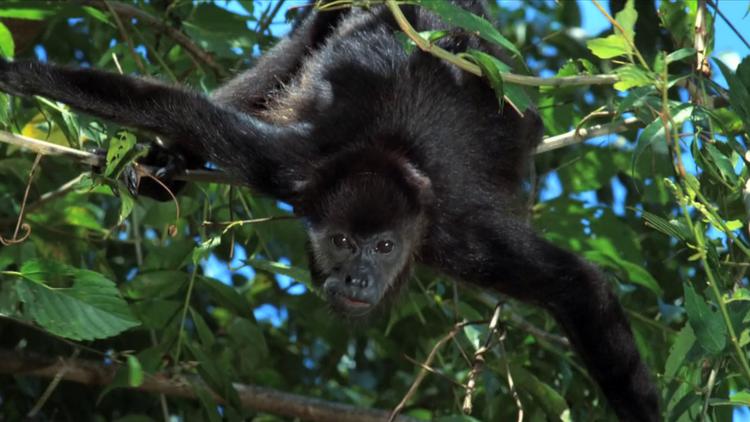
(91, 308)
(708, 325)
(458, 16)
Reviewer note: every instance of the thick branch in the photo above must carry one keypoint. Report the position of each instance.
(252, 397)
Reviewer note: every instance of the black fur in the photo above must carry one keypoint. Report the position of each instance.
(370, 141)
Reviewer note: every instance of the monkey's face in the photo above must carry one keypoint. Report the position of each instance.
(366, 216)
(357, 272)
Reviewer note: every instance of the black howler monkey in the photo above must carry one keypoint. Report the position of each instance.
(392, 157)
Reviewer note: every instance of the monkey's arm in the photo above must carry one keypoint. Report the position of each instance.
(270, 158)
(248, 92)
(508, 256)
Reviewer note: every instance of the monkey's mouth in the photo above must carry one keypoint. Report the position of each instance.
(349, 305)
(354, 303)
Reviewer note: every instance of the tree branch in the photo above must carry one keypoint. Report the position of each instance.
(576, 136)
(85, 157)
(428, 47)
(213, 176)
(252, 397)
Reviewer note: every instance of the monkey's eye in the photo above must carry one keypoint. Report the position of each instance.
(341, 241)
(384, 246)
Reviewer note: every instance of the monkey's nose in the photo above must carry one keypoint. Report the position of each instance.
(360, 282)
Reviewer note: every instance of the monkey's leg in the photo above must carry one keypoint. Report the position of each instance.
(269, 157)
(510, 257)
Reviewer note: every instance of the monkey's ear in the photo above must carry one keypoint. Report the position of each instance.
(421, 183)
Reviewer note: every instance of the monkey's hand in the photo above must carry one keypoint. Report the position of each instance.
(154, 175)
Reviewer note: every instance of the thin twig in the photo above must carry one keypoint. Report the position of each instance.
(51, 387)
(423, 372)
(230, 224)
(48, 148)
(126, 38)
(180, 38)
(710, 383)
(509, 376)
(268, 18)
(577, 136)
(479, 360)
(623, 33)
(19, 223)
(49, 196)
(434, 371)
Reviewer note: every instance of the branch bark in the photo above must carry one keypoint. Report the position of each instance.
(576, 136)
(252, 397)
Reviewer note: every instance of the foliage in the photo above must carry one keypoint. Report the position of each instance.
(663, 209)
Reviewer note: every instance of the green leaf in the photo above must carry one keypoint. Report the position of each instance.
(122, 150)
(29, 9)
(205, 334)
(455, 15)
(214, 374)
(98, 15)
(679, 351)
(135, 371)
(91, 308)
(733, 225)
(632, 76)
(545, 396)
(155, 284)
(474, 335)
(202, 251)
(634, 273)
(626, 19)
(654, 132)
(127, 203)
(7, 46)
(670, 228)
(492, 69)
(708, 325)
(722, 162)
(296, 273)
(224, 295)
(609, 47)
(739, 90)
(741, 398)
(680, 54)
